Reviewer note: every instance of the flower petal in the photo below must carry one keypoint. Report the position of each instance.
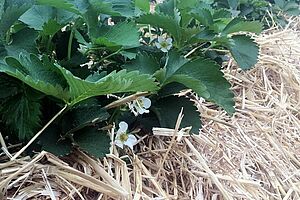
(164, 50)
(146, 102)
(158, 45)
(131, 106)
(160, 39)
(131, 141)
(119, 144)
(169, 40)
(123, 126)
(169, 46)
(140, 110)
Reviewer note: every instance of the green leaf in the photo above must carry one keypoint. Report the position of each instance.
(114, 82)
(11, 15)
(233, 4)
(19, 45)
(45, 77)
(190, 82)
(1, 7)
(114, 7)
(167, 110)
(83, 114)
(37, 16)
(165, 22)
(40, 75)
(292, 8)
(8, 87)
(46, 18)
(244, 50)
(237, 25)
(51, 27)
(221, 13)
(175, 62)
(62, 4)
(169, 8)
(203, 16)
(171, 89)
(93, 141)
(22, 114)
(202, 76)
(123, 34)
(123, 7)
(143, 5)
(145, 63)
(280, 3)
(52, 141)
(206, 35)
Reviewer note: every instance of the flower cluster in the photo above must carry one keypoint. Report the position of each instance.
(123, 138)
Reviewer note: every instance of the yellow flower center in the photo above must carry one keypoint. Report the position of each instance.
(164, 44)
(123, 137)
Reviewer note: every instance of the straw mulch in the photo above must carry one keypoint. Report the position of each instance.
(253, 155)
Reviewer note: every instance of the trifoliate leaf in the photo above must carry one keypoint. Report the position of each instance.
(237, 25)
(167, 110)
(244, 50)
(22, 114)
(93, 141)
(123, 34)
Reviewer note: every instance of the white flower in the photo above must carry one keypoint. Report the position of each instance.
(123, 138)
(164, 44)
(140, 106)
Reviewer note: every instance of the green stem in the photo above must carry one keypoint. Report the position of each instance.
(70, 43)
(110, 55)
(213, 44)
(48, 43)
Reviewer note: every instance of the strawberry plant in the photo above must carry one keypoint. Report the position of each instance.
(103, 62)
(266, 11)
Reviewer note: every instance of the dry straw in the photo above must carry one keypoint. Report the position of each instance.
(252, 155)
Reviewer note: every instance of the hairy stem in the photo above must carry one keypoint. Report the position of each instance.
(110, 55)
(70, 43)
